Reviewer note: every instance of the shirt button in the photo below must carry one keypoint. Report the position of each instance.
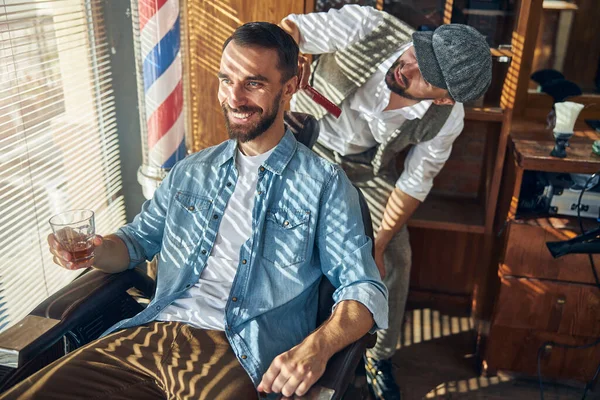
(215, 216)
(234, 299)
(262, 169)
(286, 223)
(203, 251)
(158, 308)
(244, 261)
(228, 184)
(191, 208)
(244, 357)
(259, 192)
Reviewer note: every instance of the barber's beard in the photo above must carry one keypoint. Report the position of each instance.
(246, 132)
(392, 84)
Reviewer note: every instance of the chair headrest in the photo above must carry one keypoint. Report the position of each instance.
(304, 126)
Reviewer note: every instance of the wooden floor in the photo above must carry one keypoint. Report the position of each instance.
(435, 360)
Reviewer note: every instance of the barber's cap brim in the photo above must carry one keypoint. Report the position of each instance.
(430, 69)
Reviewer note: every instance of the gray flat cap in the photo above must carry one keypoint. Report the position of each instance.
(457, 58)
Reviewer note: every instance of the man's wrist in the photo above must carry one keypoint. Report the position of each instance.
(382, 239)
(323, 344)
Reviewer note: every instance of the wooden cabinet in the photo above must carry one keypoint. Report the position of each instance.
(526, 254)
(516, 350)
(542, 299)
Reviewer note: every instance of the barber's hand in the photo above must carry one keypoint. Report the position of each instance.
(63, 258)
(303, 71)
(295, 371)
(379, 247)
(379, 262)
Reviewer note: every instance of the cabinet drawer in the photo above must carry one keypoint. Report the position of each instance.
(516, 350)
(556, 307)
(526, 254)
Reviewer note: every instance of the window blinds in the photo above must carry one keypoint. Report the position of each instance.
(58, 141)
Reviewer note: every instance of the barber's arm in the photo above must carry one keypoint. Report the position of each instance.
(360, 298)
(423, 163)
(326, 32)
(399, 208)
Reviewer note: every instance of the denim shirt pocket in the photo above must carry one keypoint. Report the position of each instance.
(188, 216)
(286, 236)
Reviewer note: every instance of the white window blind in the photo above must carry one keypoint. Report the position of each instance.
(58, 141)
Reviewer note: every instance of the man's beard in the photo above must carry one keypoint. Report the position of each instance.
(390, 81)
(247, 132)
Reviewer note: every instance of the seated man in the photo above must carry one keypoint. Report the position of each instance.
(245, 231)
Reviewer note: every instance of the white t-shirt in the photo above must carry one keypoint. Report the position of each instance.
(364, 123)
(203, 305)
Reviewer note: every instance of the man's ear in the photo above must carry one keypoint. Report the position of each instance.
(444, 101)
(291, 87)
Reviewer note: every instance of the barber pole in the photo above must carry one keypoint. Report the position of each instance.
(160, 31)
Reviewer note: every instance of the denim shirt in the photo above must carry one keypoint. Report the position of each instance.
(306, 223)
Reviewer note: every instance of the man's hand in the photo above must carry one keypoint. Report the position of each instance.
(63, 258)
(292, 29)
(296, 370)
(303, 62)
(303, 71)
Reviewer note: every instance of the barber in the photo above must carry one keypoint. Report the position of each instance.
(397, 88)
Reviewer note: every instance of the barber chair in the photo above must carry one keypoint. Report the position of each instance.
(81, 311)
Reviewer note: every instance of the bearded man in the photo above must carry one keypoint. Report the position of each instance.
(245, 231)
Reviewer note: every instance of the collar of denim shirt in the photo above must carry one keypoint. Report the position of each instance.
(277, 161)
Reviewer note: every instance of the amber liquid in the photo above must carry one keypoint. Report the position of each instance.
(81, 251)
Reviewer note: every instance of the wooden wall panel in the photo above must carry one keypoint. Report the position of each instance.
(445, 261)
(464, 171)
(583, 50)
(208, 23)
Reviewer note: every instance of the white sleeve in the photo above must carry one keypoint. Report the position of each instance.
(336, 29)
(426, 159)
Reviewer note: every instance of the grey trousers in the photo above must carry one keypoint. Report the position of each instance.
(397, 257)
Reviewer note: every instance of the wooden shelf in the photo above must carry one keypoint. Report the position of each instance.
(561, 222)
(484, 114)
(559, 5)
(451, 214)
(486, 13)
(532, 145)
(496, 52)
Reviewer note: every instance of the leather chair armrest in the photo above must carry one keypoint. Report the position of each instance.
(340, 371)
(91, 292)
(64, 311)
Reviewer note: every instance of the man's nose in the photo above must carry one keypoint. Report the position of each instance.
(236, 96)
(410, 70)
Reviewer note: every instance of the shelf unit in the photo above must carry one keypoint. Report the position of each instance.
(494, 114)
(559, 5)
(450, 213)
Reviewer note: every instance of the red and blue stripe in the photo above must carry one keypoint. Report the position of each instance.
(160, 34)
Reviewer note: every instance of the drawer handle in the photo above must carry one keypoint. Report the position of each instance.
(561, 300)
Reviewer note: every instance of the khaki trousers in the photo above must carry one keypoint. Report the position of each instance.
(160, 360)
